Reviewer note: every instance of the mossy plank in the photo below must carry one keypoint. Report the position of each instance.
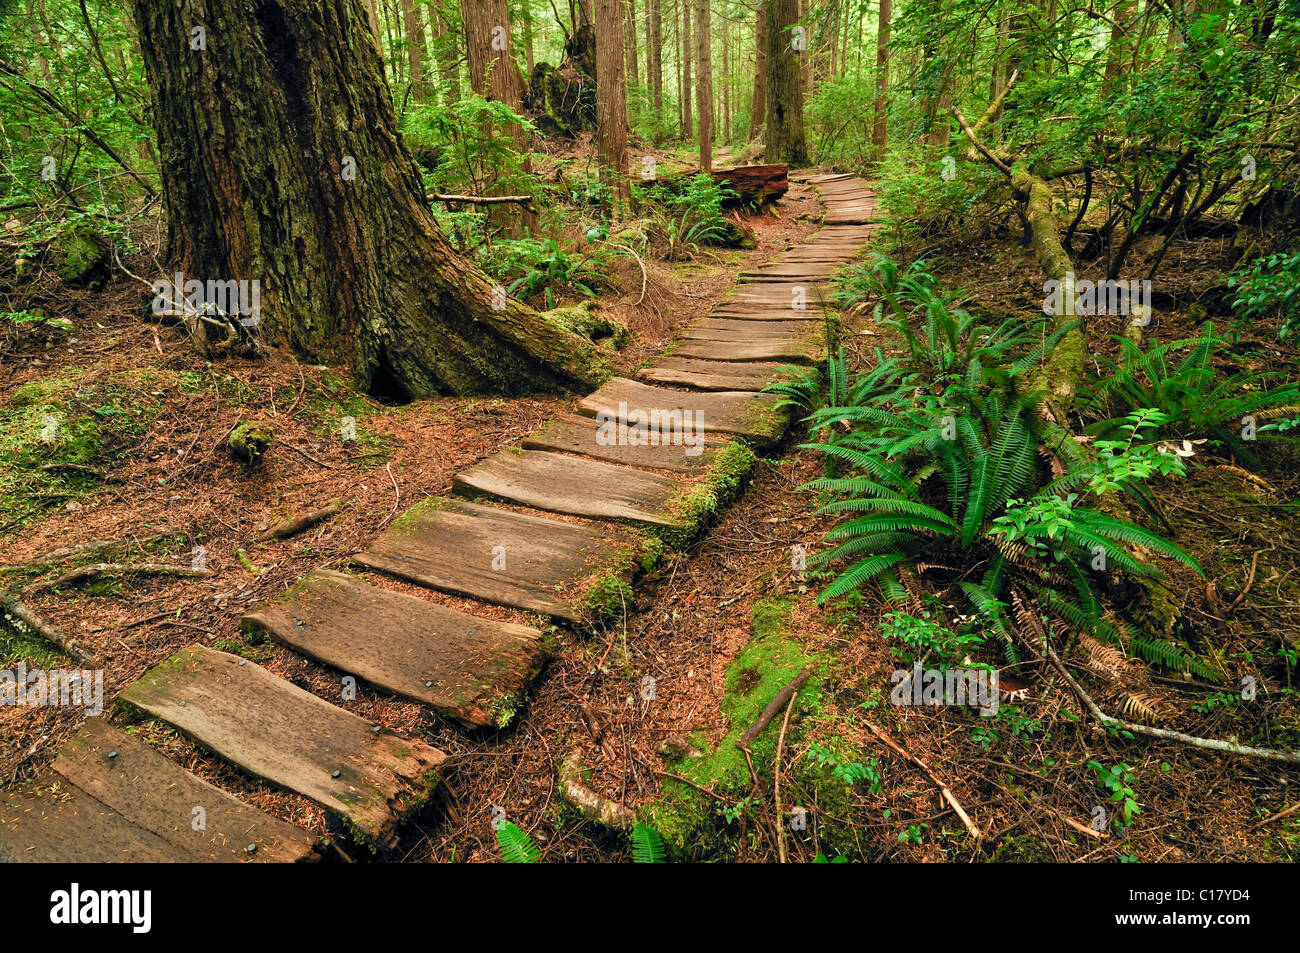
(744, 414)
(574, 485)
(468, 668)
(277, 731)
(542, 564)
(151, 791)
(786, 352)
(710, 375)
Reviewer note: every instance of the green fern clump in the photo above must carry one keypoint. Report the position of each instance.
(647, 845)
(1197, 401)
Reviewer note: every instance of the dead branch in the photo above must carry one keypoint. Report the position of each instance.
(1164, 734)
(934, 779)
(973, 136)
(11, 604)
(776, 782)
(524, 200)
(295, 526)
(82, 573)
(774, 706)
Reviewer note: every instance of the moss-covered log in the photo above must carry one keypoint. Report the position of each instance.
(282, 163)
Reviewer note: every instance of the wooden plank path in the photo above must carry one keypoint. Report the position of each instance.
(112, 798)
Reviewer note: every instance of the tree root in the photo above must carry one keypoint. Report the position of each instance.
(82, 573)
(593, 806)
(12, 605)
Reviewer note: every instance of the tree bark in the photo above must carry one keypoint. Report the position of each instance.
(704, 81)
(785, 136)
(611, 103)
(758, 106)
(880, 117)
(414, 28)
(654, 42)
(282, 163)
(688, 87)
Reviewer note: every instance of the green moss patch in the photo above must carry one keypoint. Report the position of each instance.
(696, 505)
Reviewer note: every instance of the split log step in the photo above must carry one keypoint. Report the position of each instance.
(710, 375)
(275, 730)
(545, 564)
(474, 670)
(793, 352)
(574, 485)
(583, 435)
(755, 184)
(114, 767)
(753, 417)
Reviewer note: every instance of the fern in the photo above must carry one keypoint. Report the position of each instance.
(647, 845)
(516, 847)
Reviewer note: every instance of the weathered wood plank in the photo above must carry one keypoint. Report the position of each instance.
(277, 731)
(710, 375)
(572, 434)
(474, 670)
(544, 564)
(67, 825)
(793, 352)
(151, 791)
(575, 485)
(750, 416)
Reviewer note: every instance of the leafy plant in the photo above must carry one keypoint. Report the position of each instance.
(1196, 400)
(850, 772)
(542, 268)
(1116, 782)
(1270, 287)
(647, 845)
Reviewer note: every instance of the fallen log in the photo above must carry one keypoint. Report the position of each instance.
(295, 526)
(13, 606)
(753, 184)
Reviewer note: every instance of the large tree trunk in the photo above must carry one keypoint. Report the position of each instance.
(282, 163)
(414, 28)
(688, 115)
(758, 106)
(704, 81)
(785, 140)
(611, 103)
(880, 117)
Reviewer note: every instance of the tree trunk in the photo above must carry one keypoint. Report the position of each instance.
(414, 29)
(654, 42)
(282, 163)
(758, 107)
(688, 87)
(633, 70)
(704, 81)
(449, 63)
(611, 103)
(880, 118)
(785, 139)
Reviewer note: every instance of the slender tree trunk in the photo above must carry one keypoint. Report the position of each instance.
(704, 80)
(611, 103)
(414, 47)
(654, 42)
(785, 135)
(688, 87)
(282, 163)
(528, 36)
(758, 106)
(631, 67)
(448, 60)
(880, 117)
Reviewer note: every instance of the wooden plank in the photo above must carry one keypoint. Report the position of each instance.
(581, 487)
(142, 786)
(744, 414)
(450, 545)
(794, 352)
(69, 826)
(279, 732)
(754, 332)
(572, 434)
(710, 375)
(474, 670)
(769, 328)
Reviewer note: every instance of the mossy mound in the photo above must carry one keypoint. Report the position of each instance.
(81, 257)
(586, 321)
(249, 441)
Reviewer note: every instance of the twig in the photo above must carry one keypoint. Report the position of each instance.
(644, 277)
(943, 787)
(1250, 581)
(1278, 816)
(295, 526)
(975, 140)
(598, 808)
(776, 782)
(774, 706)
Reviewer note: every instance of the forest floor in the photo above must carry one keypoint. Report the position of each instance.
(151, 418)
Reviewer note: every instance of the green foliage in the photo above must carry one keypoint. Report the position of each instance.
(692, 216)
(1116, 783)
(516, 847)
(647, 845)
(539, 269)
(1195, 399)
(1269, 287)
(926, 635)
(850, 772)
